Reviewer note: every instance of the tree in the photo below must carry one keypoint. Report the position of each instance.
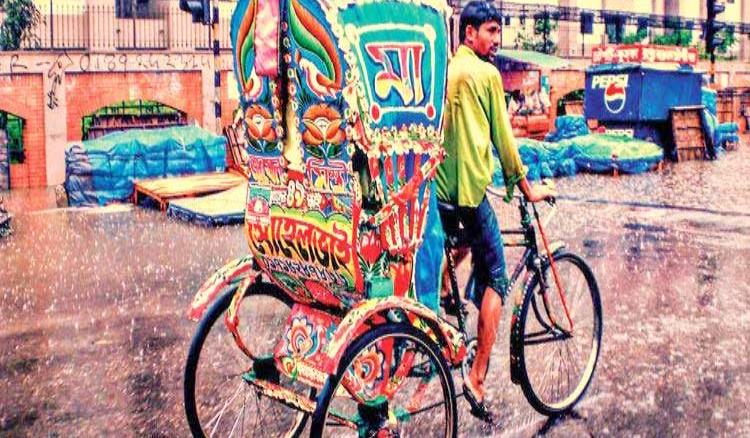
(680, 37)
(21, 16)
(541, 41)
(633, 38)
(544, 25)
(728, 40)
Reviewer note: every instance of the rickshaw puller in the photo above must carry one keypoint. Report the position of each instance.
(476, 119)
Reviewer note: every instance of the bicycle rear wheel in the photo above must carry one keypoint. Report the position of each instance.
(392, 381)
(557, 364)
(218, 402)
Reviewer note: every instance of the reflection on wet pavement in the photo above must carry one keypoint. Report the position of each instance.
(93, 337)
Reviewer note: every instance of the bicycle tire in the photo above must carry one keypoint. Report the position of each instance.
(207, 323)
(531, 389)
(365, 341)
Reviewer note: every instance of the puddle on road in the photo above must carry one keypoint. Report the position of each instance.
(94, 335)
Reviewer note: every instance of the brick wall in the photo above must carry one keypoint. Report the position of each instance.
(563, 82)
(181, 90)
(23, 96)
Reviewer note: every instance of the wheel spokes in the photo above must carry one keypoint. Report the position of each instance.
(216, 419)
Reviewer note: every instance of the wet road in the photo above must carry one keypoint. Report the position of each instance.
(93, 336)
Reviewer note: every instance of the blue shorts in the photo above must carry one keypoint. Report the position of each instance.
(487, 250)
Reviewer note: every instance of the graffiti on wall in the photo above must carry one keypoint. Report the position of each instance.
(54, 66)
(102, 62)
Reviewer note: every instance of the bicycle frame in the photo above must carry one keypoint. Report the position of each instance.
(531, 263)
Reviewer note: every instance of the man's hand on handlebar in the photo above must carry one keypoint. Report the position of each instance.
(544, 192)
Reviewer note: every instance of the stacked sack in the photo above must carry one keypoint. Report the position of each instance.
(4, 162)
(598, 153)
(101, 171)
(568, 127)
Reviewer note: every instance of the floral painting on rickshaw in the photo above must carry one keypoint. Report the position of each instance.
(300, 352)
(339, 79)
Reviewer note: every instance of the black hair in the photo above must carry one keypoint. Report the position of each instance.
(476, 13)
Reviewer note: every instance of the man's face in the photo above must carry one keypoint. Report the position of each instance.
(485, 40)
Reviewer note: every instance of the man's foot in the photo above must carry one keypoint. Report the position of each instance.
(478, 408)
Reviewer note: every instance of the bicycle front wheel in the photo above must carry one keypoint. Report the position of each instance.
(392, 381)
(557, 364)
(218, 401)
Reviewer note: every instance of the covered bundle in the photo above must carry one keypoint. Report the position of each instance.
(568, 127)
(605, 153)
(103, 170)
(4, 162)
(545, 159)
(587, 153)
(726, 133)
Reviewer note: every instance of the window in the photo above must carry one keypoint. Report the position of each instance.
(13, 127)
(136, 114)
(615, 27)
(124, 9)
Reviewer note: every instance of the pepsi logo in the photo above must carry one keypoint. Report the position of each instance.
(614, 98)
(615, 87)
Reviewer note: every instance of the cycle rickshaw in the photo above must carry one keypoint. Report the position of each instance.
(334, 319)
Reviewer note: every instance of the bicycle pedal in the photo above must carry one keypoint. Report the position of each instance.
(450, 306)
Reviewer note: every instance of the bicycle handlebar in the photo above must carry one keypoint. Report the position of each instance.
(552, 200)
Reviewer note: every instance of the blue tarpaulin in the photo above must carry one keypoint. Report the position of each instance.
(725, 133)
(103, 170)
(428, 266)
(708, 99)
(587, 153)
(568, 127)
(605, 153)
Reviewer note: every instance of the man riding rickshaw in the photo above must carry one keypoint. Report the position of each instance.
(335, 314)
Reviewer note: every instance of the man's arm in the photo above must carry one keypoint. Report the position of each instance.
(502, 137)
(535, 193)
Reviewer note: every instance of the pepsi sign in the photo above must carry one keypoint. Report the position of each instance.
(615, 90)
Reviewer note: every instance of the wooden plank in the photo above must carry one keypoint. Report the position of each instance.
(164, 189)
(687, 131)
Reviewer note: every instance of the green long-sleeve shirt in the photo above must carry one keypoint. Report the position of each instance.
(475, 119)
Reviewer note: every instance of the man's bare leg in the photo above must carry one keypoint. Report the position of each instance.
(489, 319)
(459, 255)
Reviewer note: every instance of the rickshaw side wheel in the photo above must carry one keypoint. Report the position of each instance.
(429, 367)
(213, 357)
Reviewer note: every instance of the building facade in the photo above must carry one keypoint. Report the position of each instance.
(92, 54)
(661, 16)
(89, 56)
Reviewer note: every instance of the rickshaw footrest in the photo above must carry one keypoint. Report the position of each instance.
(280, 394)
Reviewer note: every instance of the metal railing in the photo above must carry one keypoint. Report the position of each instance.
(135, 25)
(117, 27)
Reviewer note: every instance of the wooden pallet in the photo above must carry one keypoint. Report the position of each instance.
(164, 190)
(236, 153)
(687, 131)
(688, 154)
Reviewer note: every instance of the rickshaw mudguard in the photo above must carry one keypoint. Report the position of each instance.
(229, 275)
(232, 318)
(361, 316)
